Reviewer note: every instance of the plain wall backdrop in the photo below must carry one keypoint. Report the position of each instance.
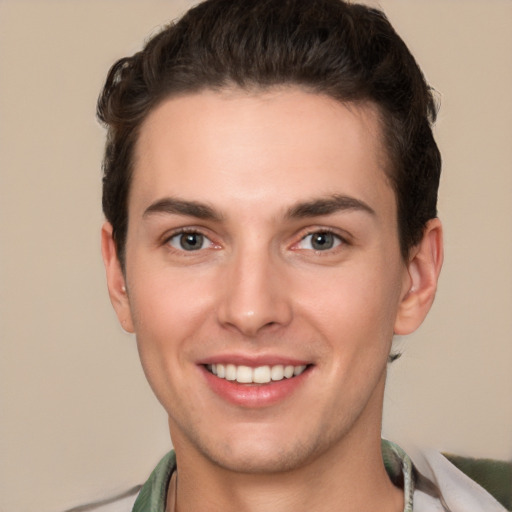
(78, 421)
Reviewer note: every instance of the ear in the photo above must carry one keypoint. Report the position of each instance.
(115, 279)
(420, 284)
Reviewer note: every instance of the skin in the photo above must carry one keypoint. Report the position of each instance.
(268, 170)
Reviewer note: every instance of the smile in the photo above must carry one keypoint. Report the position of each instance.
(259, 375)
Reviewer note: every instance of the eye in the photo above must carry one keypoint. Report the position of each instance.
(189, 241)
(320, 241)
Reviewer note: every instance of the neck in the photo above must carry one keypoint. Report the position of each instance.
(349, 477)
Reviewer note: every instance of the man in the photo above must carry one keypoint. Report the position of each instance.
(270, 187)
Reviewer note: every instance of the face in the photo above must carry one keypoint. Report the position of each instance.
(263, 274)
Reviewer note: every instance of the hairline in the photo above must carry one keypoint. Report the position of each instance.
(388, 165)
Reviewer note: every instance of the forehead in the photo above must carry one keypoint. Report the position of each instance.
(262, 148)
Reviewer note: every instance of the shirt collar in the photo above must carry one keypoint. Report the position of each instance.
(152, 496)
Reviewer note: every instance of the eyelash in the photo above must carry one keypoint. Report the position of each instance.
(186, 231)
(339, 240)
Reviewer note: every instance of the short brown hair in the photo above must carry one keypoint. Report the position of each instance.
(347, 51)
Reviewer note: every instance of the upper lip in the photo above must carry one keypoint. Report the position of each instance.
(254, 361)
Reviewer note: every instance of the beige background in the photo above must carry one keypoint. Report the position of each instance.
(78, 421)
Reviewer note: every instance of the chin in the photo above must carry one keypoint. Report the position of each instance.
(257, 453)
(262, 461)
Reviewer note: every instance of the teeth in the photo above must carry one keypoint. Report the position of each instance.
(297, 370)
(244, 374)
(288, 371)
(261, 375)
(230, 371)
(277, 372)
(258, 375)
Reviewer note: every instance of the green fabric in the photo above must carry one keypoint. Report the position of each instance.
(153, 494)
(493, 475)
(399, 468)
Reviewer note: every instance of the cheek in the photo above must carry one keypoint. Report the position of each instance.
(166, 315)
(168, 310)
(166, 298)
(353, 307)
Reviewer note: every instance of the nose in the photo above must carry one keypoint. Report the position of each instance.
(255, 295)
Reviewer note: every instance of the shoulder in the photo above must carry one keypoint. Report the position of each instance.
(142, 498)
(463, 484)
(120, 503)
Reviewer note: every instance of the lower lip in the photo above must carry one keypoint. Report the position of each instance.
(254, 395)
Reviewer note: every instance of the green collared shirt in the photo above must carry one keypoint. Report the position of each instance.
(152, 496)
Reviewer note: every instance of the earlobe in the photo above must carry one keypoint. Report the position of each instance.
(423, 272)
(115, 279)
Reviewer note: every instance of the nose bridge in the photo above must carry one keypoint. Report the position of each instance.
(254, 296)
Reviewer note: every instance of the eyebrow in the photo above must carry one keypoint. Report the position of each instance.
(327, 206)
(314, 208)
(173, 206)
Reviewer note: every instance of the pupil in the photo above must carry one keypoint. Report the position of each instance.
(191, 241)
(322, 241)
